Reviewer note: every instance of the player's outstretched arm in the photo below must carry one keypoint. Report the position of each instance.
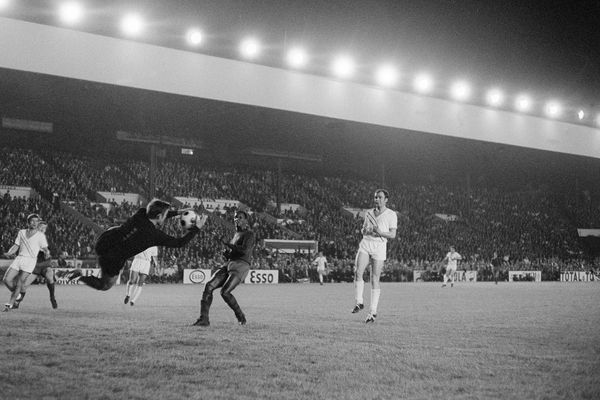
(175, 213)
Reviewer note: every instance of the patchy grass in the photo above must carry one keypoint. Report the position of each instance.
(473, 341)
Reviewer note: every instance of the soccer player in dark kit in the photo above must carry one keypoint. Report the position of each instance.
(232, 273)
(138, 233)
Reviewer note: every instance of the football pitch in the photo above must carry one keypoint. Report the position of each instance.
(473, 341)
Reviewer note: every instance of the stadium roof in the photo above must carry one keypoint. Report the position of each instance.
(552, 50)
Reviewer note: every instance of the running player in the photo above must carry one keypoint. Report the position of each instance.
(452, 258)
(379, 226)
(232, 272)
(43, 268)
(496, 264)
(139, 232)
(320, 261)
(29, 243)
(139, 271)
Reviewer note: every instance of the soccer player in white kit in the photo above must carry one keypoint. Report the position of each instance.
(320, 261)
(452, 258)
(29, 243)
(380, 225)
(139, 271)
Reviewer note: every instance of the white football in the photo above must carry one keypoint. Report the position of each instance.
(188, 219)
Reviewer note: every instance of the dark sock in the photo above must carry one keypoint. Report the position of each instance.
(93, 282)
(204, 309)
(233, 304)
(50, 289)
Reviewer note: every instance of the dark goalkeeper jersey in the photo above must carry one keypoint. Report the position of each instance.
(136, 235)
(241, 246)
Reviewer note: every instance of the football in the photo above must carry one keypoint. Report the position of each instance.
(188, 219)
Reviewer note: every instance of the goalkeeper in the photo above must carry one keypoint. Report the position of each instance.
(138, 233)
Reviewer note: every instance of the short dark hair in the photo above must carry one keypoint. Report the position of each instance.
(32, 216)
(244, 213)
(156, 207)
(385, 193)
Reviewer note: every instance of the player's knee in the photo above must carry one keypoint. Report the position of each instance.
(209, 288)
(226, 293)
(107, 283)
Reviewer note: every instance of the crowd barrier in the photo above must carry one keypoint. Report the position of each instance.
(459, 276)
(527, 276)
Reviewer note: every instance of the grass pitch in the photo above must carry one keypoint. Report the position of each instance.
(473, 341)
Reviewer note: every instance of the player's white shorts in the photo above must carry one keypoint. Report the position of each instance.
(450, 269)
(320, 270)
(22, 263)
(376, 249)
(140, 266)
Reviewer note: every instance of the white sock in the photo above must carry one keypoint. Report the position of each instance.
(136, 294)
(128, 292)
(375, 300)
(359, 286)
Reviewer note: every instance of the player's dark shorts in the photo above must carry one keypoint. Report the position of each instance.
(109, 264)
(41, 268)
(238, 268)
(107, 241)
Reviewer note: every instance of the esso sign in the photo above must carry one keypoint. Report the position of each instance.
(197, 276)
(264, 276)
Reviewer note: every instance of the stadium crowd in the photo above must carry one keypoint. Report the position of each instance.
(531, 228)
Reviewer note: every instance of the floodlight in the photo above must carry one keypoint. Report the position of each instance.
(553, 109)
(460, 91)
(423, 83)
(132, 24)
(194, 37)
(297, 57)
(523, 103)
(386, 75)
(495, 97)
(250, 48)
(70, 12)
(343, 67)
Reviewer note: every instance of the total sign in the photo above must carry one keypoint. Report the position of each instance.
(268, 276)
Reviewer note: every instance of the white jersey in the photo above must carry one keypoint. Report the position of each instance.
(320, 261)
(453, 258)
(30, 247)
(147, 254)
(386, 221)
